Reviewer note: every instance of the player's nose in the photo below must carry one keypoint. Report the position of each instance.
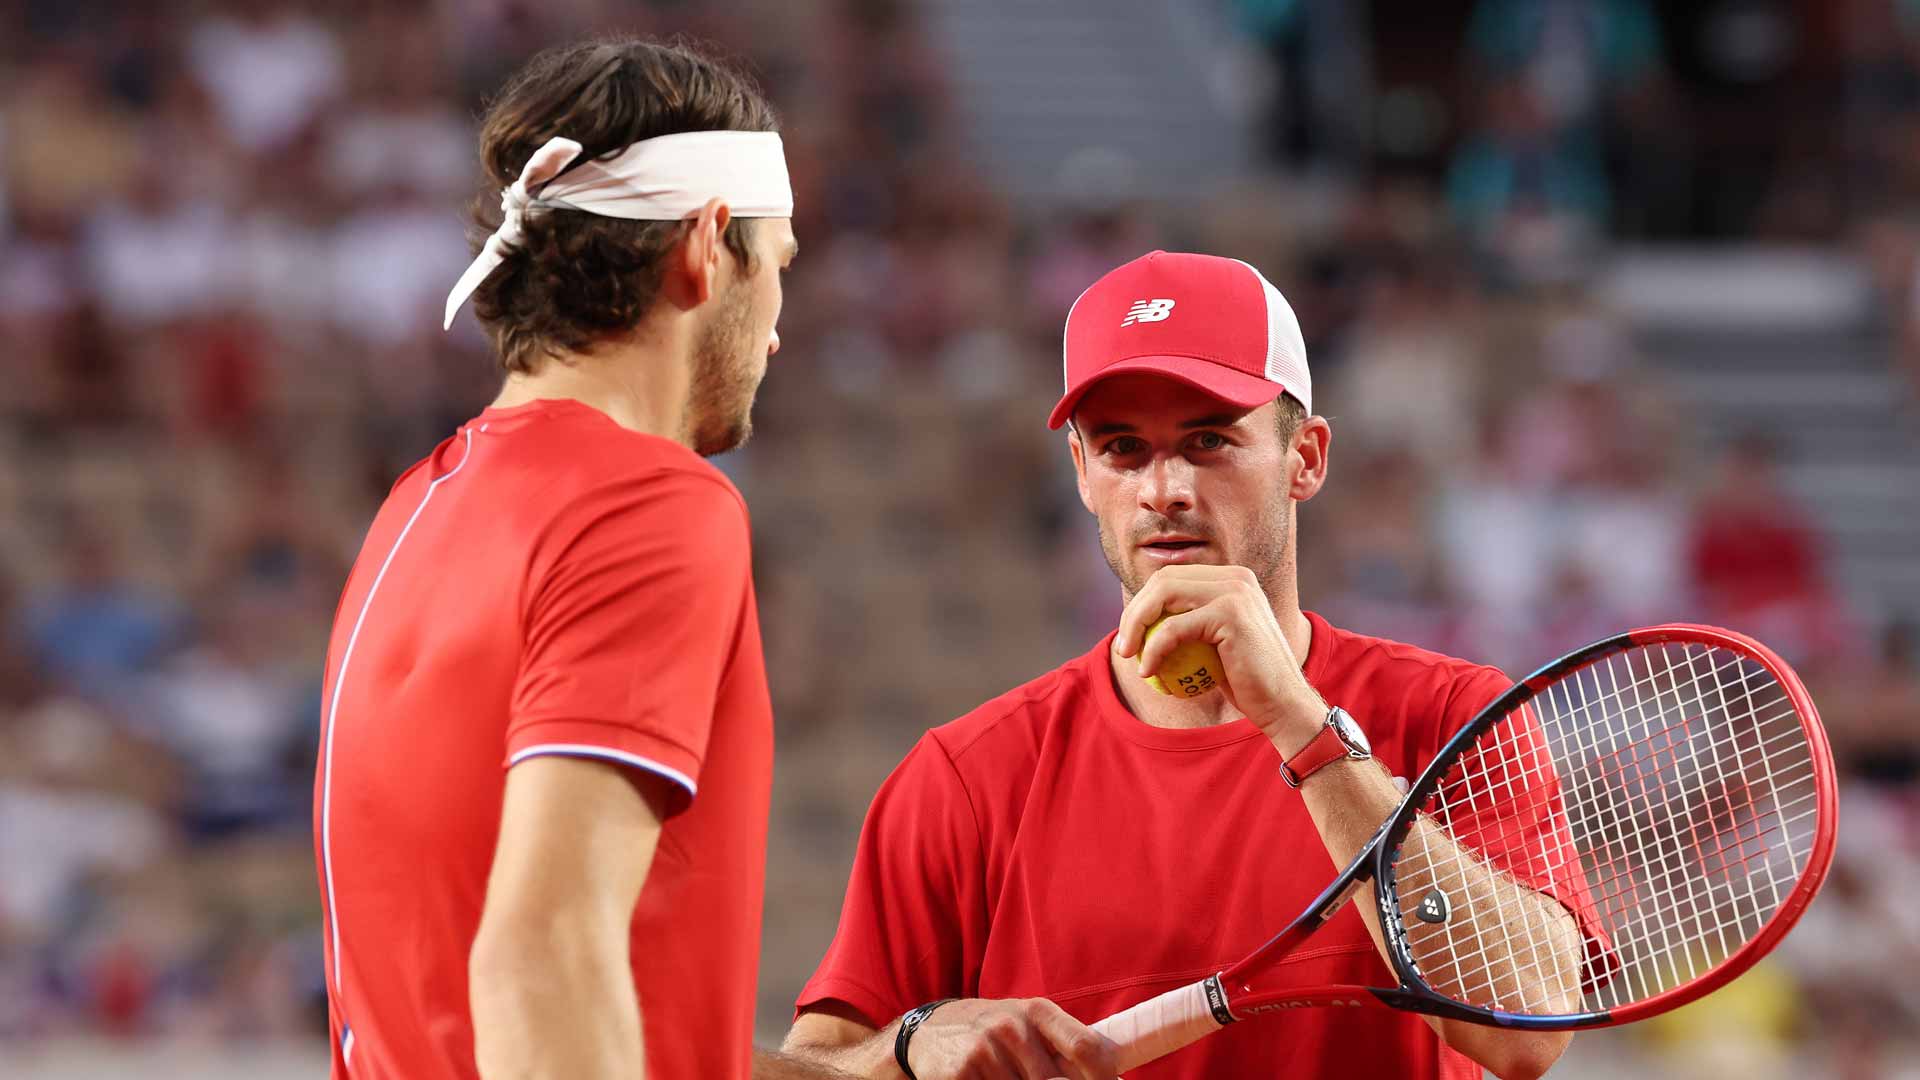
(1168, 486)
(773, 342)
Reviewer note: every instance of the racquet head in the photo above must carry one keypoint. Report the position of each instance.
(1671, 788)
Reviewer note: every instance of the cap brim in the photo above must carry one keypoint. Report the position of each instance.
(1231, 385)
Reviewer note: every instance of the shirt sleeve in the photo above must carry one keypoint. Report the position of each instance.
(914, 925)
(1513, 815)
(631, 614)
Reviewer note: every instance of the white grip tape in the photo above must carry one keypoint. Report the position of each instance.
(1159, 1026)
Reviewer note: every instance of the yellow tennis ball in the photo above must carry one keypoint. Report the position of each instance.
(1190, 670)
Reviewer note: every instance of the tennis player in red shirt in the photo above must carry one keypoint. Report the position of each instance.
(541, 803)
(1031, 859)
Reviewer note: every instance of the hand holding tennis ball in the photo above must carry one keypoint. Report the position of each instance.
(1255, 669)
(1189, 671)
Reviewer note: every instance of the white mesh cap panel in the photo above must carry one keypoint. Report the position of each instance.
(1286, 349)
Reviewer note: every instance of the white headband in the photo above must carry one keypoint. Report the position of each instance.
(659, 179)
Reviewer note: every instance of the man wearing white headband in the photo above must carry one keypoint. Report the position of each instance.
(546, 744)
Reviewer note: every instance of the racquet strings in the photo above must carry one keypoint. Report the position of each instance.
(1664, 795)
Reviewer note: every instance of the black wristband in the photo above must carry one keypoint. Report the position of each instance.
(909, 1024)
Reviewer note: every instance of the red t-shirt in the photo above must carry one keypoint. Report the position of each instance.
(1050, 844)
(547, 582)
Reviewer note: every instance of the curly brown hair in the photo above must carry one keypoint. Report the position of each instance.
(576, 278)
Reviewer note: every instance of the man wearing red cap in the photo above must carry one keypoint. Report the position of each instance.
(1083, 843)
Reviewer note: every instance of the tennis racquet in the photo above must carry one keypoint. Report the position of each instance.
(1625, 830)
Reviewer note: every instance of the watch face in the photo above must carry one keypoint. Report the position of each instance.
(1350, 733)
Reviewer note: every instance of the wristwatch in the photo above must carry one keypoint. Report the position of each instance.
(1339, 738)
(909, 1024)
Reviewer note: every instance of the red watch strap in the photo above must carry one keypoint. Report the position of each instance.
(1326, 748)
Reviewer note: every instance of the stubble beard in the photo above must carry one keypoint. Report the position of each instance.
(1265, 554)
(726, 375)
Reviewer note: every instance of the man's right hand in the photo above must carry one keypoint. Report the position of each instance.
(1027, 1039)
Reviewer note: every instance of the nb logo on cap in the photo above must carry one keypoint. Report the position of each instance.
(1148, 311)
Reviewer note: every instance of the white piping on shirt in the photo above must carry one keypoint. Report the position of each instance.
(333, 711)
(591, 751)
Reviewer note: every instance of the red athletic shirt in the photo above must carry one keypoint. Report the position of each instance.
(1050, 844)
(547, 582)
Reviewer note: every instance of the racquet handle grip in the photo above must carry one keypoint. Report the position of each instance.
(1159, 1026)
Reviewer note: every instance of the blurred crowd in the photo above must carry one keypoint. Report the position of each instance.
(227, 227)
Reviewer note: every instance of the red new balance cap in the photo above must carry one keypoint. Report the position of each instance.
(1210, 322)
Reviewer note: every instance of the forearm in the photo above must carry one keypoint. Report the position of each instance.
(1526, 952)
(1525, 955)
(1348, 801)
(546, 1007)
(870, 1055)
(784, 1065)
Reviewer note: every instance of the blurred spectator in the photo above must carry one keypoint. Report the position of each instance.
(225, 372)
(389, 259)
(69, 772)
(95, 628)
(1745, 1029)
(158, 255)
(1384, 573)
(1530, 181)
(1518, 161)
(1563, 472)
(1573, 55)
(889, 78)
(269, 67)
(1855, 947)
(68, 145)
(1755, 557)
(92, 374)
(1532, 198)
(1410, 376)
(1879, 711)
(399, 128)
(229, 713)
(1079, 247)
(1316, 52)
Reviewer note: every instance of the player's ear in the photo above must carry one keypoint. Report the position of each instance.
(697, 261)
(1311, 442)
(1079, 465)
